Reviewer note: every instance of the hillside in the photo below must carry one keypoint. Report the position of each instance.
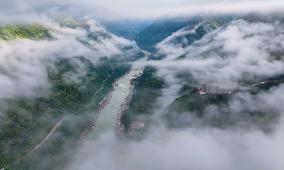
(71, 69)
(9, 32)
(210, 68)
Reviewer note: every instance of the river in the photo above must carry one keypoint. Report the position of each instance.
(109, 116)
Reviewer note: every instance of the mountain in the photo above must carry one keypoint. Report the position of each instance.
(54, 73)
(205, 74)
(189, 34)
(126, 28)
(160, 29)
(9, 32)
(213, 73)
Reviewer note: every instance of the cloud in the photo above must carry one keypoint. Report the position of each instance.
(225, 57)
(164, 149)
(129, 9)
(24, 62)
(24, 68)
(228, 59)
(250, 47)
(136, 9)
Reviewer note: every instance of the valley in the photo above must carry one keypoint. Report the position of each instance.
(147, 94)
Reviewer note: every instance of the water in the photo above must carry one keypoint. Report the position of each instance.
(107, 119)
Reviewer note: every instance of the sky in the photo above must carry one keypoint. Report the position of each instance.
(136, 9)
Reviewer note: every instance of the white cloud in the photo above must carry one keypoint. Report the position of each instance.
(249, 45)
(23, 62)
(23, 73)
(206, 149)
(137, 9)
(147, 9)
(229, 55)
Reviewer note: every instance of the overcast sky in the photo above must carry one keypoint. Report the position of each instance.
(137, 9)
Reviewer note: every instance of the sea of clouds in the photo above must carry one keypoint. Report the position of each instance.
(249, 48)
(252, 49)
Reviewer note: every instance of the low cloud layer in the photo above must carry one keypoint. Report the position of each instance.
(255, 51)
(165, 149)
(24, 62)
(226, 57)
(221, 60)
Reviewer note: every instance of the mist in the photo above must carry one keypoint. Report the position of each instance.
(226, 59)
(249, 48)
(185, 149)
